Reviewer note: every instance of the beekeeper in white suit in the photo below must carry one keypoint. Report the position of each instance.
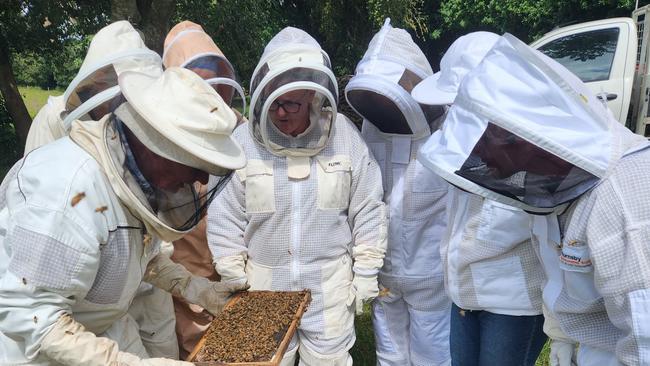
(411, 317)
(93, 93)
(188, 46)
(306, 212)
(493, 274)
(535, 137)
(80, 220)
(115, 48)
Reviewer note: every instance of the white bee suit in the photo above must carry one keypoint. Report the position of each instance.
(310, 233)
(77, 237)
(87, 260)
(306, 212)
(411, 317)
(114, 49)
(558, 147)
(489, 259)
(47, 125)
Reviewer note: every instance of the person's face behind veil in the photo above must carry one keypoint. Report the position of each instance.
(290, 111)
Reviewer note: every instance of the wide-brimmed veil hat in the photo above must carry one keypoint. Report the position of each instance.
(180, 117)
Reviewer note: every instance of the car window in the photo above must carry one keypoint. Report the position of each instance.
(589, 55)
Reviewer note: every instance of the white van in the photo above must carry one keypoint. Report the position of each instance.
(611, 56)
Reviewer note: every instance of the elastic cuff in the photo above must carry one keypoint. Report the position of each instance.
(231, 267)
(366, 272)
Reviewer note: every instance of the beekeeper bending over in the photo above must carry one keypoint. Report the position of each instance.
(81, 220)
(306, 212)
(411, 318)
(492, 273)
(93, 93)
(536, 138)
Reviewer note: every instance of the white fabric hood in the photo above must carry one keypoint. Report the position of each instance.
(462, 57)
(116, 48)
(391, 67)
(525, 131)
(293, 60)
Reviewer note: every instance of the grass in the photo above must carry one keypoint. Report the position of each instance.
(36, 97)
(363, 352)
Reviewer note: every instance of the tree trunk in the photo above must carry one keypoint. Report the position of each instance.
(152, 17)
(13, 99)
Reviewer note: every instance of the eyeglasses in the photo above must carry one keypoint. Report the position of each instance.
(289, 106)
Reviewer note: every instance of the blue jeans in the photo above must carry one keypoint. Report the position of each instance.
(481, 338)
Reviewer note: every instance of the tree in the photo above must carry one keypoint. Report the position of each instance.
(241, 28)
(40, 27)
(344, 28)
(526, 19)
(12, 99)
(56, 32)
(152, 17)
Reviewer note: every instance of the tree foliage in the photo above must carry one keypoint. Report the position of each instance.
(43, 26)
(152, 17)
(36, 69)
(526, 19)
(241, 28)
(40, 27)
(46, 40)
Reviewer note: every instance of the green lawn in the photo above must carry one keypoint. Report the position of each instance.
(363, 351)
(36, 97)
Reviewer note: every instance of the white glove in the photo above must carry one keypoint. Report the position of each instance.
(128, 359)
(363, 289)
(563, 349)
(232, 268)
(163, 273)
(68, 343)
(562, 353)
(212, 296)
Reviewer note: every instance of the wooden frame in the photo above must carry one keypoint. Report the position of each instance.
(282, 348)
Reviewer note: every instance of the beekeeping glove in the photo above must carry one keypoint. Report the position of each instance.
(68, 343)
(162, 272)
(212, 296)
(562, 353)
(232, 269)
(364, 289)
(563, 349)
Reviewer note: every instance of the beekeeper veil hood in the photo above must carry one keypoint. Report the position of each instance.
(185, 127)
(187, 45)
(525, 131)
(293, 61)
(462, 57)
(116, 48)
(380, 89)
